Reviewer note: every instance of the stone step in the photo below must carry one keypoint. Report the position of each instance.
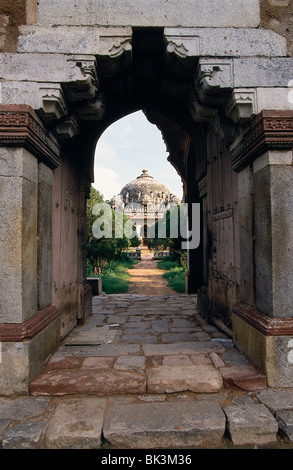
(253, 420)
(165, 425)
(88, 380)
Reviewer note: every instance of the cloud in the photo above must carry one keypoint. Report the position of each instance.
(107, 181)
(125, 149)
(105, 153)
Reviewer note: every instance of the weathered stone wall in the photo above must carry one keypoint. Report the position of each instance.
(227, 13)
(12, 15)
(277, 15)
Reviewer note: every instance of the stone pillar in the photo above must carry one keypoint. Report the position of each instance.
(28, 321)
(263, 320)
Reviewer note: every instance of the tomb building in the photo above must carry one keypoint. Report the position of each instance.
(145, 201)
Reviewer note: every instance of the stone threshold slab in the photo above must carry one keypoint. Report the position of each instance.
(164, 425)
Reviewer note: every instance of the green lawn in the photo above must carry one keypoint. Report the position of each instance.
(175, 274)
(115, 276)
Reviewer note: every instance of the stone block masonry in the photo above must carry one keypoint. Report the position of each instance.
(233, 13)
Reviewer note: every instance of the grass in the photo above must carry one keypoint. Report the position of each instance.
(115, 276)
(175, 274)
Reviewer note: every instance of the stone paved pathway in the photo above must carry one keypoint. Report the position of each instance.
(147, 372)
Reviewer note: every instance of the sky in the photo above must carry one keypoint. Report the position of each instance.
(127, 147)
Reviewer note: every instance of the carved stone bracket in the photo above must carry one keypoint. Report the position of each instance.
(182, 49)
(242, 104)
(212, 79)
(200, 112)
(21, 127)
(82, 78)
(67, 128)
(267, 131)
(52, 105)
(115, 50)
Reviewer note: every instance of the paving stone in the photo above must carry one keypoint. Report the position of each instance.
(63, 362)
(181, 348)
(242, 400)
(180, 323)
(77, 381)
(23, 408)
(4, 423)
(184, 360)
(246, 377)
(130, 362)
(217, 361)
(164, 425)
(137, 330)
(98, 363)
(170, 379)
(76, 424)
(24, 436)
(285, 421)
(178, 337)
(102, 350)
(251, 424)
(234, 358)
(177, 360)
(276, 400)
(160, 326)
(139, 338)
(152, 398)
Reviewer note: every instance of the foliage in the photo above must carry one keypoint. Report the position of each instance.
(175, 274)
(168, 242)
(101, 252)
(115, 276)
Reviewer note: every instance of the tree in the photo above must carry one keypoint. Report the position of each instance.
(172, 240)
(101, 251)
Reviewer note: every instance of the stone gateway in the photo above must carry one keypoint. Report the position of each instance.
(216, 79)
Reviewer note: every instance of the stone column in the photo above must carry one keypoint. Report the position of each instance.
(263, 320)
(28, 321)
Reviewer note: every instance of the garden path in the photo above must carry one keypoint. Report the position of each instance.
(147, 279)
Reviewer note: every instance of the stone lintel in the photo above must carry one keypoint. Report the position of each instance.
(269, 130)
(21, 127)
(266, 325)
(17, 332)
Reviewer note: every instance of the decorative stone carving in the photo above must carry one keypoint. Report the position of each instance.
(51, 103)
(20, 126)
(182, 42)
(266, 325)
(67, 128)
(115, 50)
(242, 105)
(213, 77)
(200, 112)
(83, 81)
(268, 130)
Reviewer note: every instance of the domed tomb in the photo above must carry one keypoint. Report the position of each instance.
(145, 189)
(144, 200)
